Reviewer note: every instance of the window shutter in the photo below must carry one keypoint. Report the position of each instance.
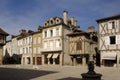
(48, 33)
(109, 25)
(43, 34)
(79, 45)
(54, 32)
(117, 39)
(107, 40)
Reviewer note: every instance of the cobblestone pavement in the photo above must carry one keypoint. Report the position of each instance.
(52, 72)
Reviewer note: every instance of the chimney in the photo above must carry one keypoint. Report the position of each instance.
(75, 23)
(91, 29)
(22, 31)
(72, 20)
(39, 28)
(65, 17)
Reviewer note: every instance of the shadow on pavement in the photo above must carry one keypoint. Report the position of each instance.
(21, 74)
(70, 78)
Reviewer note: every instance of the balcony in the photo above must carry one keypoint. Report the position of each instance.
(51, 49)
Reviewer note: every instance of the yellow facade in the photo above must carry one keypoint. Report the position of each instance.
(36, 48)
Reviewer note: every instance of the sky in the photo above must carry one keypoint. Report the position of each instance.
(29, 14)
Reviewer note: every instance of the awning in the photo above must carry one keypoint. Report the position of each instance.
(49, 55)
(55, 56)
(109, 56)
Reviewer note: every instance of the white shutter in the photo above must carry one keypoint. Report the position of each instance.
(54, 32)
(109, 25)
(57, 43)
(43, 34)
(48, 33)
(51, 45)
(107, 40)
(45, 45)
(117, 39)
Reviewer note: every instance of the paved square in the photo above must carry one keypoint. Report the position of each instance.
(53, 72)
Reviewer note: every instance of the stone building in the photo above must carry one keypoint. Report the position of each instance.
(55, 42)
(25, 47)
(109, 40)
(3, 35)
(37, 46)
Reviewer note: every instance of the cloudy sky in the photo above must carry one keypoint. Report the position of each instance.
(28, 14)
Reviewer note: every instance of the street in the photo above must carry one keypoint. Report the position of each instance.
(52, 72)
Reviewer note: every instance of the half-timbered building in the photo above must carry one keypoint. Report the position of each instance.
(81, 46)
(109, 40)
(3, 35)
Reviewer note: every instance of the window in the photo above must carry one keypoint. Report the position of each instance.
(38, 49)
(111, 25)
(51, 33)
(39, 40)
(57, 31)
(45, 45)
(45, 34)
(34, 40)
(34, 51)
(30, 50)
(112, 40)
(79, 45)
(58, 44)
(23, 50)
(51, 45)
(26, 50)
(51, 21)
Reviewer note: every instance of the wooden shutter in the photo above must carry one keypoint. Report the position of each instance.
(79, 45)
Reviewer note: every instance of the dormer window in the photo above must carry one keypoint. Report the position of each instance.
(51, 21)
(58, 20)
(46, 24)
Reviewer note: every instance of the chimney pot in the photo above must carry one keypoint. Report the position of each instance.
(65, 17)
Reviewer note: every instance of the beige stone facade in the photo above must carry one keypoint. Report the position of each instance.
(25, 47)
(37, 47)
(55, 42)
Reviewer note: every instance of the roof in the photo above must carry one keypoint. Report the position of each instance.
(3, 32)
(77, 33)
(109, 18)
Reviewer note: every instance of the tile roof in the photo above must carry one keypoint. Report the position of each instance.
(3, 32)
